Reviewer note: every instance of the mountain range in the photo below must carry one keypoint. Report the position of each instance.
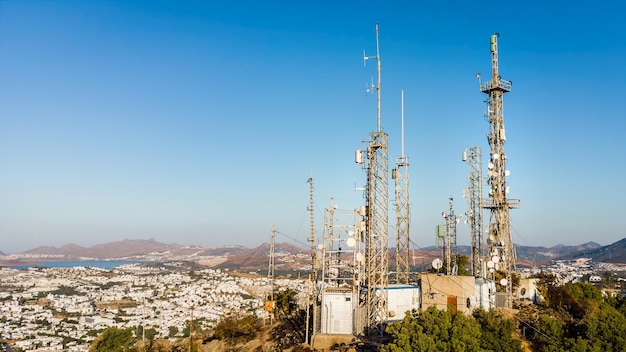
(240, 257)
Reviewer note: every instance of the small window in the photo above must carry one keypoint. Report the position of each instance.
(347, 299)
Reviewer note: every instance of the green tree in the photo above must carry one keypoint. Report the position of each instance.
(606, 329)
(234, 328)
(548, 336)
(434, 330)
(608, 279)
(173, 331)
(114, 340)
(497, 331)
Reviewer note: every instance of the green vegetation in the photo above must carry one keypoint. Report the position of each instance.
(114, 340)
(435, 330)
(61, 291)
(234, 328)
(576, 317)
(285, 301)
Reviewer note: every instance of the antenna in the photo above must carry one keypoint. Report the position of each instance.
(402, 154)
(377, 218)
(377, 57)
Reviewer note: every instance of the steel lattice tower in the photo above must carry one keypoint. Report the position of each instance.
(450, 248)
(377, 200)
(312, 227)
(473, 156)
(401, 177)
(500, 242)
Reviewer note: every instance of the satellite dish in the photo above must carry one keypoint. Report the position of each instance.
(320, 246)
(437, 263)
(492, 270)
(507, 189)
(464, 191)
(455, 269)
(495, 259)
(351, 242)
(351, 233)
(490, 264)
(359, 257)
(496, 155)
(490, 166)
(319, 254)
(503, 282)
(507, 172)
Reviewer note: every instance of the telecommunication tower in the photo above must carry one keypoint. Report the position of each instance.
(450, 248)
(377, 219)
(474, 193)
(499, 241)
(314, 265)
(312, 226)
(401, 177)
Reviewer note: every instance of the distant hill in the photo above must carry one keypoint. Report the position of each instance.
(243, 258)
(234, 256)
(256, 258)
(119, 249)
(536, 254)
(613, 253)
(540, 254)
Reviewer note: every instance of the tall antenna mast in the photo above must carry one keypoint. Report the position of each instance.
(402, 125)
(377, 87)
(377, 200)
(312, 223)
(450, 248)
(401, 176)
(500, 242)
(473, 156)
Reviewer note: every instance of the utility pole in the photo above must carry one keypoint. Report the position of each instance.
(270, 273)
(191, 330)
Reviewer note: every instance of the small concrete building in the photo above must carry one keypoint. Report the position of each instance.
(448, 291)
(338, 310)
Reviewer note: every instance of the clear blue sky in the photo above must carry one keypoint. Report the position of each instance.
(199, 122)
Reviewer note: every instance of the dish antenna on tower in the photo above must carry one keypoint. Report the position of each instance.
(437, 263)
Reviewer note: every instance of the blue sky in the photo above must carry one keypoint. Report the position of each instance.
(200, 122)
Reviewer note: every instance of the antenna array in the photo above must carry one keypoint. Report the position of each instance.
(500, 243)
(377, 219)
